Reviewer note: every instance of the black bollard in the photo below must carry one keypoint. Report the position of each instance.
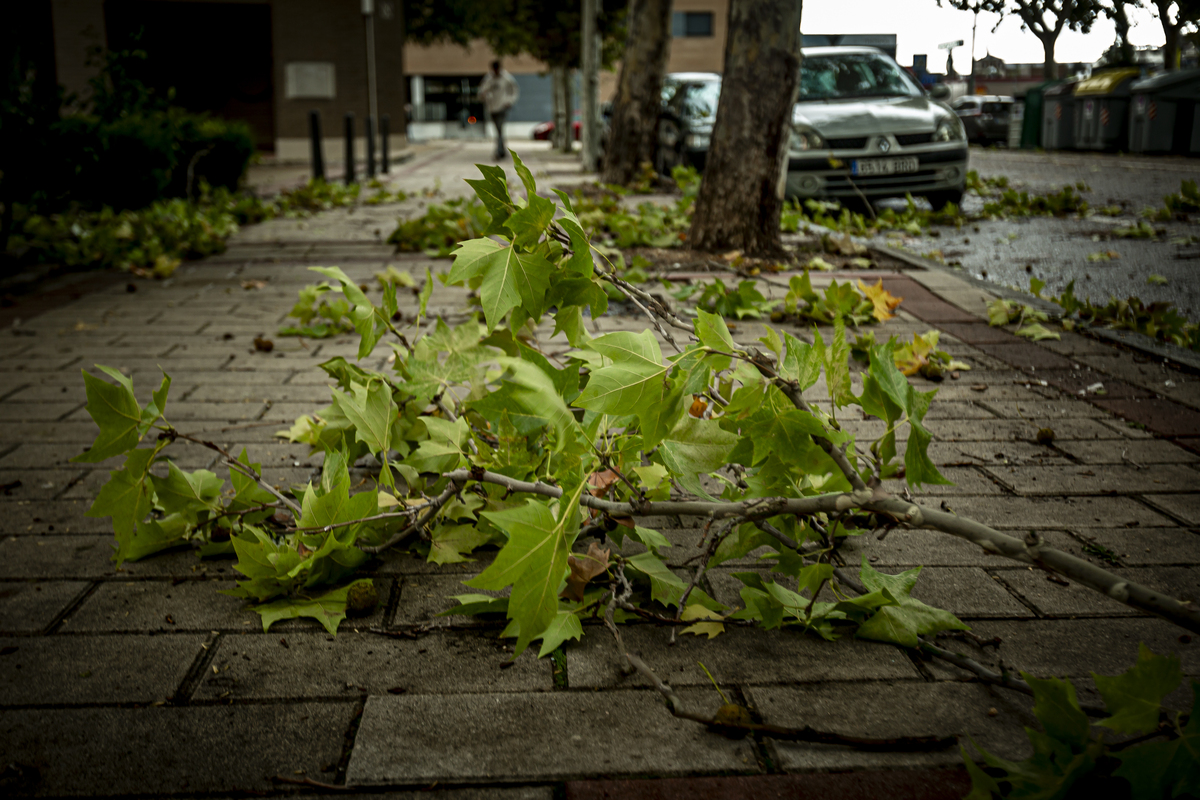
(385, 123)
(370, 146)
(349, 148)
(314, 134)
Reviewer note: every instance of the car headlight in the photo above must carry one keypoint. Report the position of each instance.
(806, 138)
(949, 130)
(697, 141)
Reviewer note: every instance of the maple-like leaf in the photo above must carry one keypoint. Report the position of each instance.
(583, 569)
(883, 300)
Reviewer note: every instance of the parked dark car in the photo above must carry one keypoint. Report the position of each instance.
(685, 125)
(985, 117)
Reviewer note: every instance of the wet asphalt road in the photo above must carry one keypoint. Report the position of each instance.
(1056, 250)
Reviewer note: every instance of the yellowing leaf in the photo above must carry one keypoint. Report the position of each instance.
(583, 569)
(710, 626)
(1036, 331)
(883, 300)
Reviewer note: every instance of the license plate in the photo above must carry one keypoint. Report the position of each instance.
(884, 166)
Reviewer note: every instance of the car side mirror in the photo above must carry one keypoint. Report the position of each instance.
(940, 91)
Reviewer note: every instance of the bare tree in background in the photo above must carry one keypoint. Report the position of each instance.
(639, 91)
(739, 202)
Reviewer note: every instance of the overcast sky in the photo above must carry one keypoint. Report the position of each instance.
(920, 26)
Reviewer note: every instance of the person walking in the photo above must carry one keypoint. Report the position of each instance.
(499, 92)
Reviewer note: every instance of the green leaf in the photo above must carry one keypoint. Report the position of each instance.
(665, 586)
(126, 498)
(533, 562)
(696, 446)
(188, 494)
(712, 332)
(837, 366)
(1165, 769)
(802, 362)
(903, 622)
(492, 190)
(156, 535)
(537, 395)
(451, 544)
(565, 625)
(1056, 707)
(529, 223)
(634, 382)
(1037, 332)
(115, 410)
(372, 411)
(890, 379)
(425, 293)
(525, 175)
(328, 609)
(1134, 698)
(918, 468)
(510, 278)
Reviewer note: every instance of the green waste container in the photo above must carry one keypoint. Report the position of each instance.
(1102, 110)
(1058, 116)
(1031, 125)
(1162, 112)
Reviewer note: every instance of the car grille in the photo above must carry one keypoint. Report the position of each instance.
(849, 143)
(839, 185)
(906, 139)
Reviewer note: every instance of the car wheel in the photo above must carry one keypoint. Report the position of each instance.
(939, 199)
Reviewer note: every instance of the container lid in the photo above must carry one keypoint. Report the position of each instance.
(1167, 81)
(1106, 82)
(1060, 87)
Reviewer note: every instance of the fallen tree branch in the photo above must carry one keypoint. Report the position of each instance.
(434, 507)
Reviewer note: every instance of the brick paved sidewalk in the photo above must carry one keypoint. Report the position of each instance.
(147, 681)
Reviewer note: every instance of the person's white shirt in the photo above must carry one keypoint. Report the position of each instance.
(498, 92)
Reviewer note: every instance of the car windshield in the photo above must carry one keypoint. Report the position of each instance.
(692, 100)
(834, 77)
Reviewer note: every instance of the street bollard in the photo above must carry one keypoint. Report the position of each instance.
(370, 146)
(349, 148)
(314, 134)
(385, 123)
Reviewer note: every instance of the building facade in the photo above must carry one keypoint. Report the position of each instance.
(268, 62)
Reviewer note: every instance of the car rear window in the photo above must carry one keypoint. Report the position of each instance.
(853, 75)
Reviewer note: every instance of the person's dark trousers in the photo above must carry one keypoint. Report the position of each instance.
(498, 121)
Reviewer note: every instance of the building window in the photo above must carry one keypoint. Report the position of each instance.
(692, 23)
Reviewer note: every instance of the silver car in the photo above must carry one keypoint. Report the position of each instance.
(863, 127)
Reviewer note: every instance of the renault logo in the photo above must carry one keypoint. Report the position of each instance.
(884, 145)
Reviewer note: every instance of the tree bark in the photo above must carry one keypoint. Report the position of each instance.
(1049, 68)
(639, 91)
(1170, 34)
(740, 199)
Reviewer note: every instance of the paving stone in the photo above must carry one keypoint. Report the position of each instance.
(966, 592)
(49, 456)
(1076, 382)
(963, 480)
(90, 557)
(14, 366)
(1043, 408)
(1004, 430)
(1051, 598)
(993, 453)
(32, 606)
(11, 411)
(301, 665)
(48, 670)
(1073, 647)
(898, 784)
(1074, 344)
(1165, 417)
(958, 410)
(139, 606)
(81, 433)
(902, 548)
(1025, 356)
(423, 597)
(1139, 451)
(502, 738)
(1021, 513)
(886, 710)
(1184, 506)
(260, 392)
(1134, 546)
(1130, 430)
(738, 656)
(31, 485)
(998, 386)
(94, 752)
(978, 333)
(1081, 480)
(44, 516)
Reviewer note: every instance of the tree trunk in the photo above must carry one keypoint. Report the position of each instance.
(1049, 68)
(639, 91)
(1170, 34)
(557, 84)
(1121, 22)
(740, 199)
(567, 143)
